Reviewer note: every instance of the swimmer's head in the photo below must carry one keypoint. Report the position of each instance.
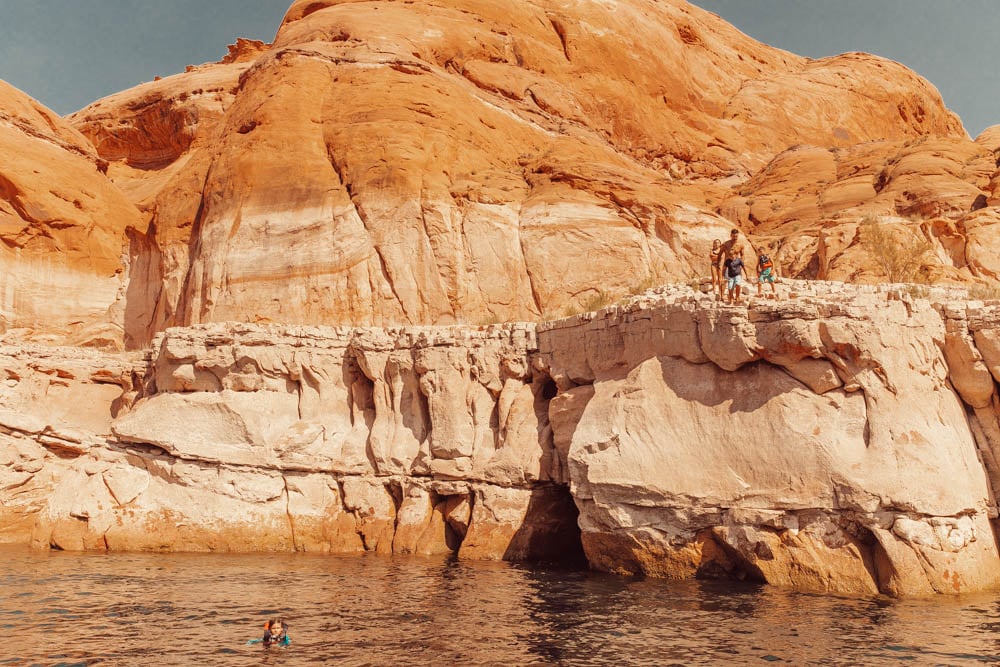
(275, 627)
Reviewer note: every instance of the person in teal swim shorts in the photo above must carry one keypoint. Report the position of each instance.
(766, 273)
(733, 274)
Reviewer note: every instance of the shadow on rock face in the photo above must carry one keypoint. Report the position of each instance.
(550, 532)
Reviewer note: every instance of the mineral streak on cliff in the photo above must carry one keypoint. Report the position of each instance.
(843, 440)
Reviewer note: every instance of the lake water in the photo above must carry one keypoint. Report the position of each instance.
(61, 608)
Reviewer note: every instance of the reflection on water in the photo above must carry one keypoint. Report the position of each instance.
(117, 609)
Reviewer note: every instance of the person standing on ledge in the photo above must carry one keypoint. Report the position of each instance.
(731, 249)
(767, 272)
(735, 271)
(714, 257)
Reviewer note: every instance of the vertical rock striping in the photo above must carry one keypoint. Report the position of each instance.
(844, 440)
(816, 443)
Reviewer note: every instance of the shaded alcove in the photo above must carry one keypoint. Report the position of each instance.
(550, 532)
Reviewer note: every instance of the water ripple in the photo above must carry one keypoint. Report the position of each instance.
(124, 610)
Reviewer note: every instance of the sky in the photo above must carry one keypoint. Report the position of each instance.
(955, 44)
(68, 53)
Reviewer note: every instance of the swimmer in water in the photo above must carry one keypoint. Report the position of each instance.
(276, 632)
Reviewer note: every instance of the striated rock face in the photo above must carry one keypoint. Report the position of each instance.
(395, 441)
(56, 409)
(817, 444)
(394, 165)
(389, 163)
(843, 440)
(459, 162)
(158, 140)
(62, 230)
(808, 204)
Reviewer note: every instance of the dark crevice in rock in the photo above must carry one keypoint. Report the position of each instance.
(454, 530)
(874, 557)
(560, 31)
(146, 450)
(290, 515)
(550, 532)
(395, 490)
(721, 561)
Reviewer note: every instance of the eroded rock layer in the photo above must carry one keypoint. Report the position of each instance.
(62, 230)
(817, 443)
(247, 438)
(843, 439)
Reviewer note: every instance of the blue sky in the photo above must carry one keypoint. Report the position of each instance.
(68, 53)
(955, 44)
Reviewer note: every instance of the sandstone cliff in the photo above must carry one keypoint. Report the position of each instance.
(843, 440)
(400, 165)
(62, 230)
(787, 443)
(390, 163)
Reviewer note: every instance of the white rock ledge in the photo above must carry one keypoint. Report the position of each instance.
(841, 439)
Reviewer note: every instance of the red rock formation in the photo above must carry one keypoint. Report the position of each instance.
(244, 50)
(807, 203)
(467, 161)
(481, 161)
(162, 166)
(62, 230)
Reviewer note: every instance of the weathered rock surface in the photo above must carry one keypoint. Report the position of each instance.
(56, 409)
(391, 163)
(845, 439)
(158, 139)
(474, 162)
(821, 443)
(62, 230)
(397, 441)
(806, 206)
(403, 164)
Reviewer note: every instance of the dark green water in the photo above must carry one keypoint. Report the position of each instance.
(121, 609)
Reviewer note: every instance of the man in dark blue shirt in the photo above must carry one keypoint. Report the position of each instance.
(734, 272)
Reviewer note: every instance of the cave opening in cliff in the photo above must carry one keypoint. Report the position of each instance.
(550, 533)
(456, 510)
(549, 390)
(720, 560)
